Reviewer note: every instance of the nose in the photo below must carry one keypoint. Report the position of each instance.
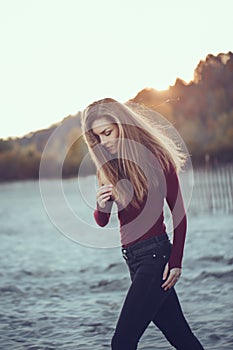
(103, 141)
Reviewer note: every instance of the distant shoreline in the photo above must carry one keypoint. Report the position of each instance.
(200, 167)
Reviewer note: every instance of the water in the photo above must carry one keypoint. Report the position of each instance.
(55, 294)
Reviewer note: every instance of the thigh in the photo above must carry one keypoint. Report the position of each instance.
(171, 321)
(170, 317)
(144, 298)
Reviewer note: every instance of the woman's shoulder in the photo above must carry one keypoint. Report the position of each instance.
(166, 167)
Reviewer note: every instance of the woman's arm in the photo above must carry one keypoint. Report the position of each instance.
(102, 215)
(175, 202)
(104, 202)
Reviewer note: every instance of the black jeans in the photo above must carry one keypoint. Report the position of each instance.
(147, 301)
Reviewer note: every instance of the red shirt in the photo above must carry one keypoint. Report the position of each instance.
(148, 221)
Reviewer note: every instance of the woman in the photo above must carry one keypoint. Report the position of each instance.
(137, 166)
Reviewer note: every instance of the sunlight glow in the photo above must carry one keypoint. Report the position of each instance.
(60, 56)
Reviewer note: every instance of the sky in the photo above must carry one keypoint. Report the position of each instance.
(57, 56)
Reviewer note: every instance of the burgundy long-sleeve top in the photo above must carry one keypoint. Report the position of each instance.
(147, 221)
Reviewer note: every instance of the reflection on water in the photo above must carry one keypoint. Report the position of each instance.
(55, 294)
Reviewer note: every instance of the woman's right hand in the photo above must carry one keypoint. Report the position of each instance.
(104, 194)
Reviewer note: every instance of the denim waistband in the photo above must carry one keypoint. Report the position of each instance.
(144, 245)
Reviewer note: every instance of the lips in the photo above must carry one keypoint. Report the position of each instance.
(109, 148)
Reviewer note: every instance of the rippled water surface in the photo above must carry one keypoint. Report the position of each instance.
(56, 294)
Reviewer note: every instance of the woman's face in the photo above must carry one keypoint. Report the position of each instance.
(107, 133)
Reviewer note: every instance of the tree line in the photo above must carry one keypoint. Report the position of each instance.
(201, 111)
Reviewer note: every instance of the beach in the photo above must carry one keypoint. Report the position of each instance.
(56, 294)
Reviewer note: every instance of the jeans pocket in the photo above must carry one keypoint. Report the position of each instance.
(158, 258)
(155, 252)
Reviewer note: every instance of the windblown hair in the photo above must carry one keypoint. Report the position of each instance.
(139, 136)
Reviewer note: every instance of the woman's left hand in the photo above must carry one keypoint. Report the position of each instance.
(173, 277)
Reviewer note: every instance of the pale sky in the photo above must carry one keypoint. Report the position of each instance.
(57, 56)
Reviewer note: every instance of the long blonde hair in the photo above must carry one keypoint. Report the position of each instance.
(132, 161)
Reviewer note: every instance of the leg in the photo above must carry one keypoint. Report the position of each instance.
(144, 298)
(171, 321)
